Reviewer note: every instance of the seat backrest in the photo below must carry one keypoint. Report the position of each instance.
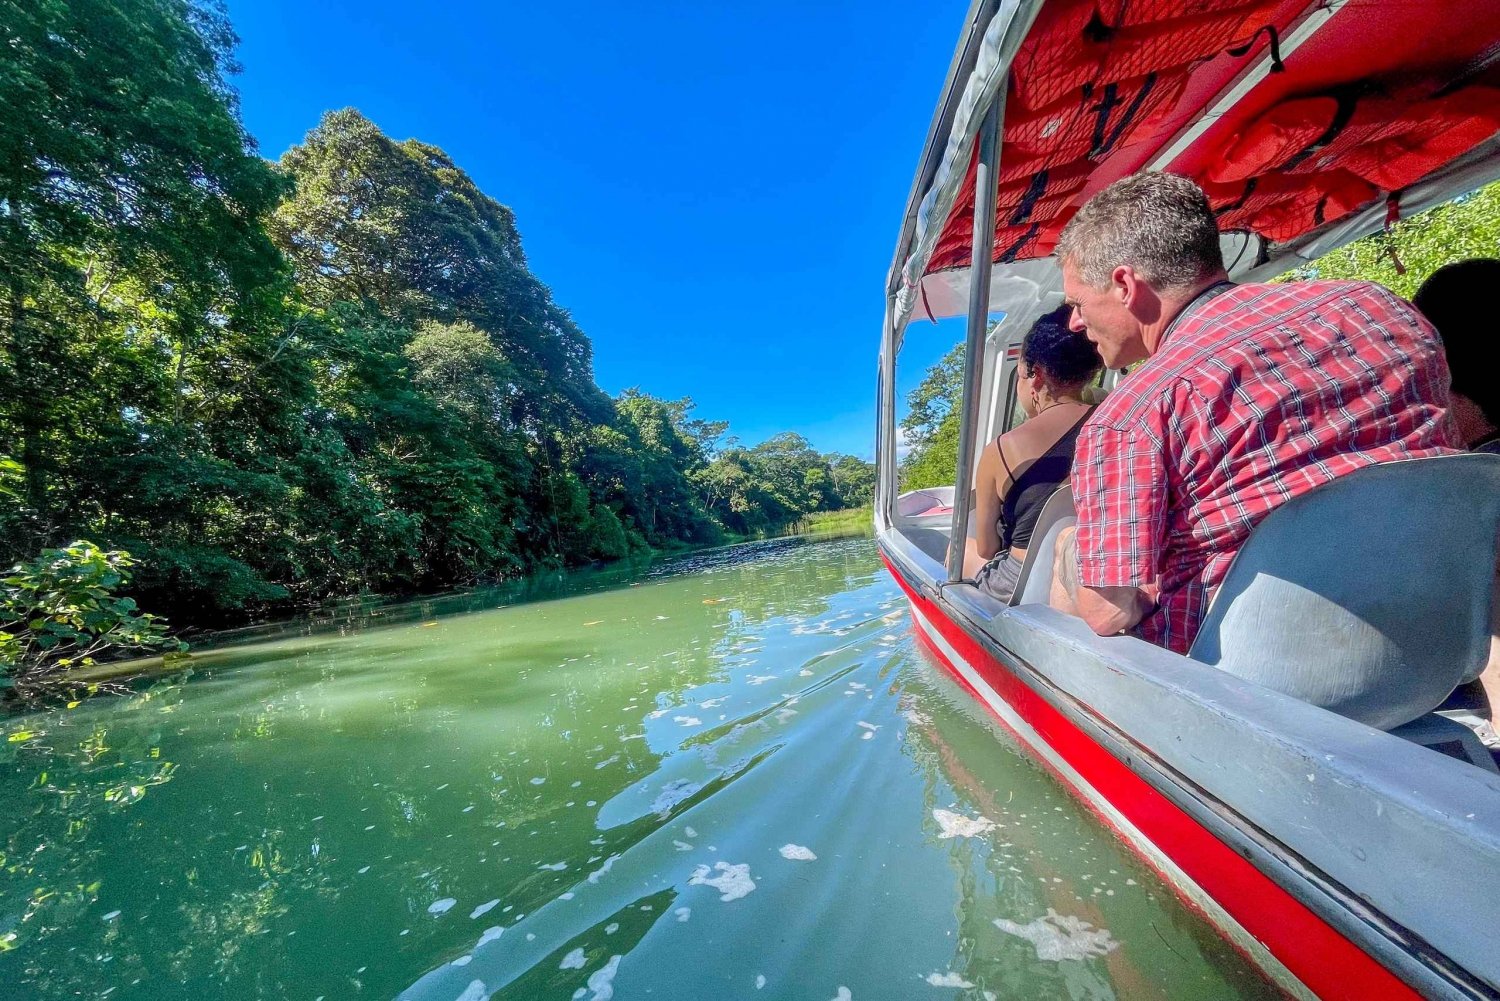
(1034, 585)
(1369, 596)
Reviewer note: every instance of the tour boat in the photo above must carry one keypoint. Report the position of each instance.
(1291, 778)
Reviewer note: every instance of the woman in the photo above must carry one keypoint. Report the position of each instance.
(1023, 467)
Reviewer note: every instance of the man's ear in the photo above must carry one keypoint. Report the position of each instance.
(1124, 283)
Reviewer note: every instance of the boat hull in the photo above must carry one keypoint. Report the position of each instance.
(1298, 949)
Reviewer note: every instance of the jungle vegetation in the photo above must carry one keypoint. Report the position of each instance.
(276, 383)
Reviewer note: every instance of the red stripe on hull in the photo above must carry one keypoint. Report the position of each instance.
(1320, 957)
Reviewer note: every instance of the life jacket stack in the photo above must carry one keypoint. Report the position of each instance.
(1092, 77)
(1095, 77)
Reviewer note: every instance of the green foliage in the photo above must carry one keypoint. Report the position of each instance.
(60, 609)
(768, 488)
(931, 424)
(1465, 227)
(934, 462)
(935, 397)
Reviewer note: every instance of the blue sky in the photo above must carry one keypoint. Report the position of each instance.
(713, 190)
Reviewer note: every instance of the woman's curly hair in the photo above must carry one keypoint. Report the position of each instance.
(1069, 358)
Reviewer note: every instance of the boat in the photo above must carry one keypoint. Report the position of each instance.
(1349, 845)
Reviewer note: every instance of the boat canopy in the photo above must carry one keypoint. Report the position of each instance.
(1308, 125)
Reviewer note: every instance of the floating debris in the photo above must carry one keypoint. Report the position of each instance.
(958, 826)
(733, 881)
(598, 873)
(601, 982)
(1061, 936)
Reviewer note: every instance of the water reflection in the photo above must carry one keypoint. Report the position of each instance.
(588, 796)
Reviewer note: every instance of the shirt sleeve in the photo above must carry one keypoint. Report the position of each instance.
(1120, 492)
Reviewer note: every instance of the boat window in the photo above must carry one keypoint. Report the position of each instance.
(1014, 415)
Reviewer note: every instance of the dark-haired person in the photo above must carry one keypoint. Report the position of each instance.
(1019, 470)
(1248, 396)
(1455, 300)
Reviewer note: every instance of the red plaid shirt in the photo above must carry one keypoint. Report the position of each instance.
(1258, 394)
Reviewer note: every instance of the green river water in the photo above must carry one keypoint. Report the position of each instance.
(732, 776)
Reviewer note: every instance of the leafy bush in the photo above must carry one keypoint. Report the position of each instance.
(59, 610)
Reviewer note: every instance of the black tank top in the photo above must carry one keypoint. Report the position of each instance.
(1022, 504)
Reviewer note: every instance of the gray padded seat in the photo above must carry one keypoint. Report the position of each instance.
(1034, 585)
(1369, 596)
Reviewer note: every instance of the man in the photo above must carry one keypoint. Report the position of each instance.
(1248, 396)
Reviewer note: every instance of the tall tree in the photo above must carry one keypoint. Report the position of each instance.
(398, 226)
(127, 185)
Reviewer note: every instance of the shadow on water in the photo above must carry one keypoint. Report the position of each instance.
(732, 775)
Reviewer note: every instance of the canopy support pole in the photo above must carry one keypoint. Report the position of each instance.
(986, 184)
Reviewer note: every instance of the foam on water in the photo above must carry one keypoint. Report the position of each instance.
(600, 872)
(474, 992)
(733, 881)
(958, 826)
(1061, 936)
(601, 982)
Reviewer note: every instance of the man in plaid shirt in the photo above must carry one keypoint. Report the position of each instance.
(1248, 396)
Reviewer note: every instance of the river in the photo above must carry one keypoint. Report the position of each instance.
(732, 775)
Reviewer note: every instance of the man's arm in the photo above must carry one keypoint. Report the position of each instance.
(1108, 611)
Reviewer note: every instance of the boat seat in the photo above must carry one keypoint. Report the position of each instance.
(1034, 585)
(1368, 596)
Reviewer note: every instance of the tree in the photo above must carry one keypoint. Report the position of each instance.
(853, 480)
(1468, 226)
(397, 226)
(127, 187)
(935, 397)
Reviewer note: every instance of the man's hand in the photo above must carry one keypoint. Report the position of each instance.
(1107, 610)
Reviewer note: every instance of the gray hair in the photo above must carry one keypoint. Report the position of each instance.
(1159, 224)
